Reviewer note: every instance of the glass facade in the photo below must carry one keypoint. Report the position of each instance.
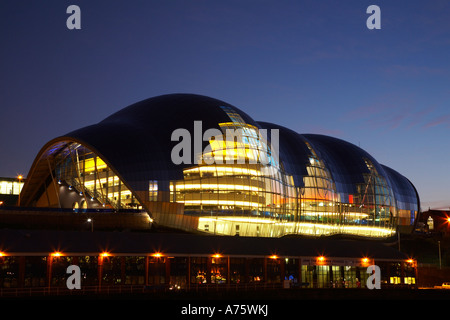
(246, 178)
(243, 191)
(84, 181)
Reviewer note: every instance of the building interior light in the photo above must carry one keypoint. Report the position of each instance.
(221, 202)
(208, 186)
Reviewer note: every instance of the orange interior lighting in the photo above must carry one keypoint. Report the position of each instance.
(105, 254)
(2, 254)
(157, 255)
(274, 256)
(217, 256)
(56, 254)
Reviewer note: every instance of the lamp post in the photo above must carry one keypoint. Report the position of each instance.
(439, 247)
(19, 177)
(91, 221)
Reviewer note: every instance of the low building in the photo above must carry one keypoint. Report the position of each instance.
(435, 222)
(10, 189)
(186, 261)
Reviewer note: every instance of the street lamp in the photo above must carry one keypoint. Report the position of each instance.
(19, 177)
(91, 221)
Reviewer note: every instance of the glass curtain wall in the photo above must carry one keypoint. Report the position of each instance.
(374, 202)
(319, 199)
(243, 191)
(82, 170)
(240, 188)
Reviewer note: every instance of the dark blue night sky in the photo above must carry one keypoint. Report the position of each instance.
(312, 66)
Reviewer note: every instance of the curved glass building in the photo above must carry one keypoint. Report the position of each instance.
(198, 164)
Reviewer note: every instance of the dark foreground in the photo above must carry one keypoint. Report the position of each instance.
(267, 304)
(263, 295)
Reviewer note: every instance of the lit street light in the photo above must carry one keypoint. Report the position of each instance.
(19, 177)
(91, 221)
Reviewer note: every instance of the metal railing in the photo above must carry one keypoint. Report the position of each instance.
(60, 291)
(132, 289)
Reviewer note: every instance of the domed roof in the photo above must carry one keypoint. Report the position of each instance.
(136, 140)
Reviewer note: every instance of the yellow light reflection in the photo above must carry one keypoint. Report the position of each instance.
(221, 202)
(208, 186)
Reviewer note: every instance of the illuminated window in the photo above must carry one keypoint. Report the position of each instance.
(394, 280)
(410, 280)
(153, 190)
(430, 223)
